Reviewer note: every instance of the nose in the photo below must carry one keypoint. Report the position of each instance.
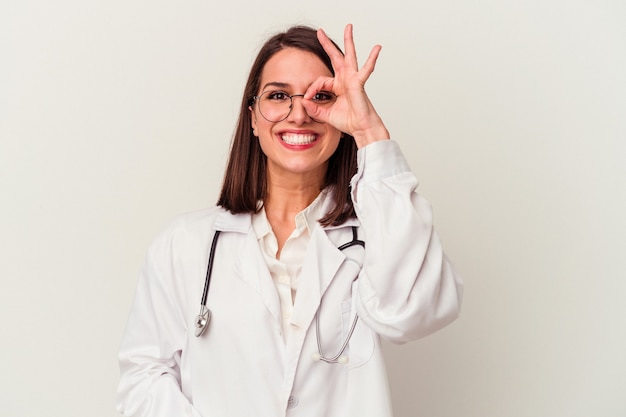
(297, 112)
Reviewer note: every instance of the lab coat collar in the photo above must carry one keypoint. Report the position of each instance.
(353, 221)
(229, 222)
(241, 223)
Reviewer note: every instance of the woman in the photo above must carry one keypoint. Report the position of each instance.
(296, 318)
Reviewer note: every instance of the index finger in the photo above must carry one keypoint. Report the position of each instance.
(333, 51)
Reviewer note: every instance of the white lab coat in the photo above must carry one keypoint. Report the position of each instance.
(241, 366)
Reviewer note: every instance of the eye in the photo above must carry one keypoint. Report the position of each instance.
(324, 97)
(276, 96)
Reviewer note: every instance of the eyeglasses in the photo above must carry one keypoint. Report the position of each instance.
(275, 106)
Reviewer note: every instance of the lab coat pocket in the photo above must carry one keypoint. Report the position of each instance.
(361, 346)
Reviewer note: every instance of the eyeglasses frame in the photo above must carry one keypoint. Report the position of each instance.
(291, 96)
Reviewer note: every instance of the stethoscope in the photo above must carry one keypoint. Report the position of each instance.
(204, 317)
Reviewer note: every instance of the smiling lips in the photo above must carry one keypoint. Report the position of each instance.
(298, 139)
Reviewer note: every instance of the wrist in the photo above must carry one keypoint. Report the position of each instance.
(371, 135)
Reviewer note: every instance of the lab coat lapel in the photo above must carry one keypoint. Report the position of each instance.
(250, 267)
(320, 265)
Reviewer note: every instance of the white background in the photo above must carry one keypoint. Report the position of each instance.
(115, 116)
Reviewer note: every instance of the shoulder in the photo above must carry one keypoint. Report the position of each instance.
(192, 221)
(197, 227)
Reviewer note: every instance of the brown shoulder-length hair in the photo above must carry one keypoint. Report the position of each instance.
(245, 179)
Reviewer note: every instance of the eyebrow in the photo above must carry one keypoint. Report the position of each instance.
(275, 84)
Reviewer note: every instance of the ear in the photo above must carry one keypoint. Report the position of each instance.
(252, 120)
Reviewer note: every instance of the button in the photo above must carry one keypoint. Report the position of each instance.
(292, 402)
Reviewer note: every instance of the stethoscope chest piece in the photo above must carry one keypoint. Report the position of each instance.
(202, 321)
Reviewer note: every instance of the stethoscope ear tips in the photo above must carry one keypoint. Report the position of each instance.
(316, 357)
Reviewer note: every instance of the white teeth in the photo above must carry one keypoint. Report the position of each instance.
(295, 139)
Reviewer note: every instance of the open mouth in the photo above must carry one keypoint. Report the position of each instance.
(298, 139)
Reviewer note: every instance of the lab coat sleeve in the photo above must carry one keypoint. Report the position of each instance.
(407, 288)
(149, 356)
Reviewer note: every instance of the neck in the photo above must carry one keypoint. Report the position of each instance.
(285, 199)
(283, 203)
(287, 195)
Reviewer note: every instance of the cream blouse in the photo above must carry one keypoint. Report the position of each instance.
(285, 271)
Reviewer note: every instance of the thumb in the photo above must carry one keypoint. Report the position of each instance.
(316, 112)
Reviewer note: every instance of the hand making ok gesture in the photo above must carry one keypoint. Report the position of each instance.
(353, 111)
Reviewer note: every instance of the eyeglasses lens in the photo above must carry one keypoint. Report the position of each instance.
(274, 106)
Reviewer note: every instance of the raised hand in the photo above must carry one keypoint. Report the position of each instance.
(353, 111)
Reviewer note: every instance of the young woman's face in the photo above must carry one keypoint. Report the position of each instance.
(297, 145)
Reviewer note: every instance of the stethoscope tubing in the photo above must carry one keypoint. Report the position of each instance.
(337, 358)
(204, 317)
(209, 269)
